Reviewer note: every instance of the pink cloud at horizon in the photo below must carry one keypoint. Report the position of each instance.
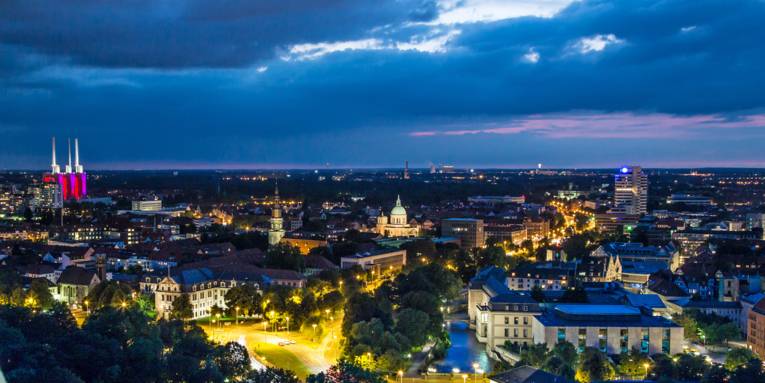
(606, 125)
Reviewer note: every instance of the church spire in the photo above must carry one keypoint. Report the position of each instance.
(398, 200)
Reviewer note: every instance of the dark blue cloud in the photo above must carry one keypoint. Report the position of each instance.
(184, 85)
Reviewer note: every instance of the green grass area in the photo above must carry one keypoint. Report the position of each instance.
(278, 356)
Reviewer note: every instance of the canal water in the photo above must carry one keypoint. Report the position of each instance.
(464, 351)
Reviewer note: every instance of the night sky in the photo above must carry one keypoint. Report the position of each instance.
(371, 83)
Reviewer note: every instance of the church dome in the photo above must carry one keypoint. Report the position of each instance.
(398, 210)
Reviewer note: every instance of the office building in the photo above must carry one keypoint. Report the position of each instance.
(505, 232)
(614, 329)
(378, 261)
(152, 205)
(468, 230)
(631, 191)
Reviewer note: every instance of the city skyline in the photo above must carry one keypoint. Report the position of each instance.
(369, 84)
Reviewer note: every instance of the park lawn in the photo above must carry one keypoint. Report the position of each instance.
(279, 356)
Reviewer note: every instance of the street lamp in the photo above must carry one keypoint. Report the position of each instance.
(400, 376)
(475, 371)
(288, 324)
(314, 330)
(646, 365)
(237, 314)
(464, 378)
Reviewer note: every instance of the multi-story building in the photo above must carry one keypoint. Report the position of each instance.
(613, 329)
(505, 232)
(689, 200)
(536, 228)
(691, 240)
(204, 287)
(631, 191)
(150, 205)
(468, 230)
(497, 199)
(547, 276)
(755, 335)
(378, 261)
(499, 315)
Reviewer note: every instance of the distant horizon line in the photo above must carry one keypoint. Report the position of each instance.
(455, 167)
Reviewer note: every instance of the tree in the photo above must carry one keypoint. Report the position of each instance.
(663, 367)
(490, 256)
(40, 295)
(246, 297)
(689, 324)
(537, 294)
(738, 357)
(232, 359)
(633, 364)
(716, 374)
(413, 324)
(594, 366)
(181, 308)
(285, 256)
(575, 294)
(566, 352)
(691, 367)
(346, 372)
(271, 375)
(534, 355)
(751, 372)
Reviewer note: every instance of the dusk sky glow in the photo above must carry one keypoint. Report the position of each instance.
(371, 83)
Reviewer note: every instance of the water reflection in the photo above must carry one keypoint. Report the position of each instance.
(464, 351)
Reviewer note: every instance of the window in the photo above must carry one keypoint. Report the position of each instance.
(644, 341)
(525, 333)
(515, 332)
(624, 344)
(507, 320)
(582, 339)
(665, 341)
(561, 335)
(603, 339)
(525, 320)
(515, 320)
(507, 332)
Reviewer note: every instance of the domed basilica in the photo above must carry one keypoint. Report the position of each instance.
(397, 226)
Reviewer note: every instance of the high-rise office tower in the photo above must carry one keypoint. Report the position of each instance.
(631, 191)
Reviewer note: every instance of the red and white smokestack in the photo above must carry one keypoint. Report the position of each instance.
(54, 168)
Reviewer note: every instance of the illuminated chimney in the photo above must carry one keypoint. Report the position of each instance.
(68, 168)
(54, 168)
(77, 167)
